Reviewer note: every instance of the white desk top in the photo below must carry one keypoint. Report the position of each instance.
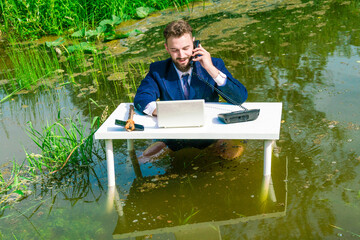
(265, 127)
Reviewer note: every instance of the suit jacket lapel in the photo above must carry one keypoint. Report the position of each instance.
(172, 84)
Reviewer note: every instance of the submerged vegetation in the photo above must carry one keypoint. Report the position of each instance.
(64, 146)
(54, 64)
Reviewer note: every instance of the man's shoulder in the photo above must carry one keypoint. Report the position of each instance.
(217, 60)
(160, 64)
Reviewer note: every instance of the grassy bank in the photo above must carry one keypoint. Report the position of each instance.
(35, 18)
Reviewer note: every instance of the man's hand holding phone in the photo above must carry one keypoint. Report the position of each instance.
(204, 57)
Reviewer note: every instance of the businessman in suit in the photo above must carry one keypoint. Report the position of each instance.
(177, 79)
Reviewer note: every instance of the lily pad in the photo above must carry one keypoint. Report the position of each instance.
(143, 12)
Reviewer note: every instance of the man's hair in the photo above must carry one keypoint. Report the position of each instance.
(177, 29)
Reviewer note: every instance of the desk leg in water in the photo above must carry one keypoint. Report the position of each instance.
(110, 162)
(130, 144)
(268, 147)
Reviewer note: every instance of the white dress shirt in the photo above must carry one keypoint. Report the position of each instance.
(220, 81)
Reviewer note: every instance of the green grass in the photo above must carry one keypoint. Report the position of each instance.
(35, 18)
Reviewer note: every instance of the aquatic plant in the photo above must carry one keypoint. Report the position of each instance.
(61, 146)
(56, 64)
(30, 65)
(37, 18)
(105, 30)
(185, 218)
(15, 186)
(65, 147)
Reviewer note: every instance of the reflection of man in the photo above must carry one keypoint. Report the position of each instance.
(173, 78)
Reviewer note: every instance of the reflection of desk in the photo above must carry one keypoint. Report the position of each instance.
(198, 204)
(266, 127)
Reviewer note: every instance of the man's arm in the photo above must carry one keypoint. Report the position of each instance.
(232, 90)
(147, 92)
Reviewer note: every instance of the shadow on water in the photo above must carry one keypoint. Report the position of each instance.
(305, 55)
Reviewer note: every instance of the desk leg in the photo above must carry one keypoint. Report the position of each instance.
(135, 163)
(268, 147)
(267, 189)
(110, 162)
(130, 144)
(114, 198)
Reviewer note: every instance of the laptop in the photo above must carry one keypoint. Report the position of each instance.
(181, 113)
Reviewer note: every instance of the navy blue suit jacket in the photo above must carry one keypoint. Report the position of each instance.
(162, 82)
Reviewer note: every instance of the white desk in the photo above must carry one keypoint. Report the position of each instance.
(266, 127)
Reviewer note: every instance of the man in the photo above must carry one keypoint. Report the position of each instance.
(177, 79)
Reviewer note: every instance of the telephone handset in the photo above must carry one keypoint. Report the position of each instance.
(244, 115)
(196, 45)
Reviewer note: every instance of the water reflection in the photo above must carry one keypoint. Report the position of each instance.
(302, 54)
(186, 205)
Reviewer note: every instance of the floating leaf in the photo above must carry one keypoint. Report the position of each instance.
(130, 33)
(80, 94)
(83, 46)
(117, 76)
(112, 36)
(55, 43)
(143, 12)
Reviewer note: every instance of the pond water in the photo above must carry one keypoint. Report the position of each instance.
(303, 54)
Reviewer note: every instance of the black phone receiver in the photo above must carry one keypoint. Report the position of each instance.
(196, 45)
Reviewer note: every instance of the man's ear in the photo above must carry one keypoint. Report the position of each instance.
(166, 47)
(193, 39)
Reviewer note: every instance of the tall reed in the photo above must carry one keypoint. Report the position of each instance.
(61, 145)
(31, 65)
(34, 18)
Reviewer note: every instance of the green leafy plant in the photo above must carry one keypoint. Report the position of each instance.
(35, 18)
(61, 146)
(106, 29)
(83, 46)
(143, 12)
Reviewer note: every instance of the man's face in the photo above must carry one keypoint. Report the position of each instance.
(180, 50)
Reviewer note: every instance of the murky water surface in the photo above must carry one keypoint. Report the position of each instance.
(306, 55)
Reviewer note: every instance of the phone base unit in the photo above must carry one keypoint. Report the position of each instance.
(239, 116)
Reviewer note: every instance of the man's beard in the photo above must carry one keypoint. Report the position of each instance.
(182, 68)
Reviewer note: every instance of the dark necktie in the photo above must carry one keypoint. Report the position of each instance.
(185, 78)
